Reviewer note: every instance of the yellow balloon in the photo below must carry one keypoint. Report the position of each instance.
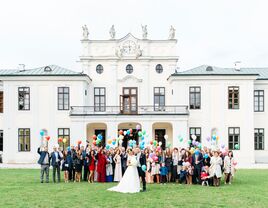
(64, 140)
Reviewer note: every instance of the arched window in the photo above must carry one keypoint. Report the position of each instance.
(129, 68)
(159, 68)
(99, 68)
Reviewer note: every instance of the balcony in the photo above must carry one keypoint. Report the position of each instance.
(119, 110)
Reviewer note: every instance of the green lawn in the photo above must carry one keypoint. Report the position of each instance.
(21, 188)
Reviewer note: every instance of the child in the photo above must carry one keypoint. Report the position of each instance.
(190, 172)
(205, 176)
(163, 173)
(183, 173)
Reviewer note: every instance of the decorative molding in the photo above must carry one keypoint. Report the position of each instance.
(129, 77)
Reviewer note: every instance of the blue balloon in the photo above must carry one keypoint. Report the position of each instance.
(69, 148)
(42, 133)
(100, 137)
(206, 156)
(142, 138)
(134, 141)
(128, 132)
(214, 137)
(114, 142)
(196, 152)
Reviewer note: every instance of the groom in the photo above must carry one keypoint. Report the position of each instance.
(141, 159)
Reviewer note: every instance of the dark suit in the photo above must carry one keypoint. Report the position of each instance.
(142, 162)
(197, 167)
(44, 164)
(124, 162)
(55, 162)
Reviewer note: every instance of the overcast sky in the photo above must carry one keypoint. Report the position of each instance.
(214, 32)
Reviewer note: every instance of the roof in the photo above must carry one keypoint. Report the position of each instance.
(261, 73)
(41, 71)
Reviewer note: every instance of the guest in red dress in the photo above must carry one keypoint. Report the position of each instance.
(101, 166)
(91, 166)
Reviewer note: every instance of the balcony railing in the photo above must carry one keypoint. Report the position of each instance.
(139, 110)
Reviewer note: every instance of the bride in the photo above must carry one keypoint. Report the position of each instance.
(130, 183)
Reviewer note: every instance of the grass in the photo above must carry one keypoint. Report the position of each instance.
(21, 188)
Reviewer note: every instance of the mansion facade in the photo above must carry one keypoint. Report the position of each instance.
(128, 82)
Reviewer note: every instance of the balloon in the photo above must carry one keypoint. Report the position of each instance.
(193, 142)
(189, 141)
(131, 131)
(214, 137)
(134, 141)
(205, 156)
(158, 149)
(168, 144)
(138, 127)
(140, 134)
(143, 132)
(151, 142)
(217, 138)
(64, 140)
(166, 136)
(193, 137)
(144, 168)
(79, 142)
(236, 146)
(94, 137)
(234, 163)
(222, 146)
(196, 152)
(125, 133)
(47, 138)
(114, 142)
(107, 147)
(208, 139)
(94, 142)
(155, 158)
(200, 146)
(42, 133)
(181, 139)
(60, 139)
(160, 143)
(155, 143)
(151, 155)
(142, 138)
(100, 137)
(69, 148)
(109, 141)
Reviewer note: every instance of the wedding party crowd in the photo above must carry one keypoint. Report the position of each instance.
(96, 163)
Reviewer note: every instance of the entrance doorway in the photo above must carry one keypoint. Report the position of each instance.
(129, 100)
(159, 137)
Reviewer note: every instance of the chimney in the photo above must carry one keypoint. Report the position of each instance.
(21, 67)
(237, 65)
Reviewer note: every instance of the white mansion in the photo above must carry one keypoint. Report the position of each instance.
(127, 82)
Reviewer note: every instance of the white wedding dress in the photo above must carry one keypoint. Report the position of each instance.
(130, 183)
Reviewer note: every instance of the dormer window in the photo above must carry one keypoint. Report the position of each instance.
(47, 69)
(99, 69)
(129, 69)
(159, 68)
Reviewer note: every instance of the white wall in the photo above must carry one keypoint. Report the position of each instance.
(43, 114)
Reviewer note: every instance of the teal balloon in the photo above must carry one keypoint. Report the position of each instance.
(140, 134)
(42, 133)
(99, 137)
(144, 168)
(107, 147)
(114, 142)
(236, 146)
(189, 141)
(143, 132)
(181, 139)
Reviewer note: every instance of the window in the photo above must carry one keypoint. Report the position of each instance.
(1, 140)
(233, 97)
(159, 98)
(197, 132)
(258, 100)
(24, 140)
(195, 97)
(99, 99)
(1, 102)
(129, 69)
(159, 68)
(234, 138)
(24, 98)
(64, 133)
(63, 98)
(259, 139)
(99, 69)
